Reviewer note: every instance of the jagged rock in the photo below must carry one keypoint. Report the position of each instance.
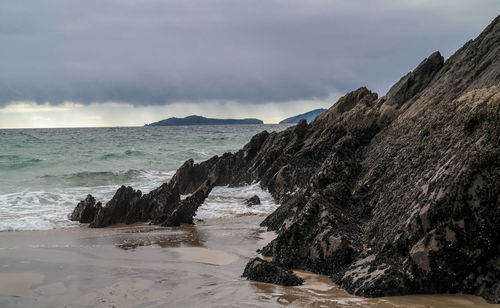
(86, 210)
(184, 213)
(118, 209)
(190, 175)
(254, 200)
(392, 195)
(159, 204)
(416, 81)
(285, 212)
(263, 271)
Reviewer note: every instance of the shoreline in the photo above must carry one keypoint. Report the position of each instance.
(131, 266)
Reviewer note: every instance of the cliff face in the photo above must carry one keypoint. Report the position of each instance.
(408, 199)
(390, 195)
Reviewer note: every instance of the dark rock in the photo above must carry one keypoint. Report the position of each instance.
(184, 213)
(159, 204)
(190, 175)
(86, 210)
(255, 200)
(118, 209)
(492, 293)
(290, 205)
(263, 271)
(416, 81)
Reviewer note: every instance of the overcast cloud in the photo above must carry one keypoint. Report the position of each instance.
(155, 52)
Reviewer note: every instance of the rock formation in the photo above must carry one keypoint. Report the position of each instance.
(390, 195)
(86, 210)
(255, 200)
(263, 271)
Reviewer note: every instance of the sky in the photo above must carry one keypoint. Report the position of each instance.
(69, 63)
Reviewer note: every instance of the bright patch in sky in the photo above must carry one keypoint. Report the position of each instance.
(30, 114)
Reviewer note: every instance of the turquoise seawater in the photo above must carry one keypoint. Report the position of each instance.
(45, 172)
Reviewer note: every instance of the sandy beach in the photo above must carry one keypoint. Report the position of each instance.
(146, 266)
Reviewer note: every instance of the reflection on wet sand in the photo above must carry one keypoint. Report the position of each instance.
(319, 291)
(148, 266)
(140, 236)
(205, 255)
(135, 292)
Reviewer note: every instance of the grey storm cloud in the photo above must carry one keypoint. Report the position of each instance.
(149, 52)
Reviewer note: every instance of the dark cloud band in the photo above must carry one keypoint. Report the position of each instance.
(157, 52)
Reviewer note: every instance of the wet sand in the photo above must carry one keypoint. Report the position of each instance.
(147, 266)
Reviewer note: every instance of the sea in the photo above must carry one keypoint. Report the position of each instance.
(44, 173)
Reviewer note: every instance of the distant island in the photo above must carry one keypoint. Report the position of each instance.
(309, 116)
(199, 120)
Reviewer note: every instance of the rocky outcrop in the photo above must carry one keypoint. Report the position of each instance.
(254, 200)
(184, 212)
(263, 271)
(414, 82)
(392, 195)
(86, 210)
(118, 209)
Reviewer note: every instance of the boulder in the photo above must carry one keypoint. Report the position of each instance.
(255, 200)
(264, 271)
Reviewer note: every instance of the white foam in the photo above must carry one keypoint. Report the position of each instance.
(36, 210)
(150, 180)
(226, 201)
(43, 210)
